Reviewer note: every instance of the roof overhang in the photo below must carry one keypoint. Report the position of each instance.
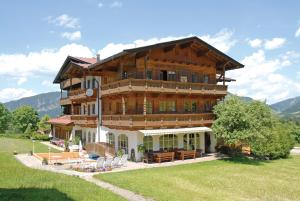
(175, 131)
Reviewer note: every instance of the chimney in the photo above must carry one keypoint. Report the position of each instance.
(98, 57)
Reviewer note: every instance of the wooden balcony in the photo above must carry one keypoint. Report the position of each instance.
(85, 120)
(159, 86)
(65, 101)
(157, 120)
(78, 95)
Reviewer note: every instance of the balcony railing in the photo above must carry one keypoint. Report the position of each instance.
(142, 85)
(85, 120)
(157, 120)
(77, 95)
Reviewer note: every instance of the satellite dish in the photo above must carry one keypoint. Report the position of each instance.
(89, 92)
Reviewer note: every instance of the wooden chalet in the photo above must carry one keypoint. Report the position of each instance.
(160, 96)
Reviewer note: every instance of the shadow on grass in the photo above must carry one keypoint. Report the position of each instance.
(32, 194)
(245, 160)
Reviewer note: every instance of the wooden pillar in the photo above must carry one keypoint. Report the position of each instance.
(224, 75)
(145, 66)
(145, 104)
(71, 83)
(72, 109)
(123, 105)
(121, 70)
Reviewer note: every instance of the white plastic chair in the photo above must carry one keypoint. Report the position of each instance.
(123, 160)
(115, 162)
(108, 162)
(100, 163)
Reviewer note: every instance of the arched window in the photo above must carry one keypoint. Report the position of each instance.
(168, 142)
(123, 143)
(89, 137)
(191, 141)
(148, 143)
(110, 138)
(94, 137)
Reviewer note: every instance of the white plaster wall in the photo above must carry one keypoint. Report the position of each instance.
(213, 141)
(202, 142)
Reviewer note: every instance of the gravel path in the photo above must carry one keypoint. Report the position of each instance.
(32, 162)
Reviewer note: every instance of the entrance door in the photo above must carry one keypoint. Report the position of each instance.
(207, 143)
(78, 134)
(163, 75)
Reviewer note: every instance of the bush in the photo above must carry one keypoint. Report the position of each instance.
(41, 137)
(275, 143)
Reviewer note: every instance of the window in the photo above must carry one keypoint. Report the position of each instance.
(163, 75)
(149, 107)
(206, 78)
(190, 142)
(94, 137)
(123, 143)
(167, 106)
(171, 106)
(187, 106)
(183, 78)
(89, 137)
(207, 106)
(194, 106)
(109, 106)
(148, 143)
(194, 78)
(93, 83)
(110, 138)
(171, 75)
(84, 138)
(89, 109)
(93, 109)
(83, 112)
(124, 75)
(168, 142)
(88, 84)
(162, 106)
(149, 75)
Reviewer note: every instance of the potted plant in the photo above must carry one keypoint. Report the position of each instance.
(45, 161)
(141, 149)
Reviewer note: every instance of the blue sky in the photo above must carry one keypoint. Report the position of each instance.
(36, 36)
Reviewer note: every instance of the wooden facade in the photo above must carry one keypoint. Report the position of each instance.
(167, 85)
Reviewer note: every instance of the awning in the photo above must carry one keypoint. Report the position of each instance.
(175, 131)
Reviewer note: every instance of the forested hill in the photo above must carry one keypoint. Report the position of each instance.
(45, 103)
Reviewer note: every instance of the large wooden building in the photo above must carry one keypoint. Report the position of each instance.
(160, 95)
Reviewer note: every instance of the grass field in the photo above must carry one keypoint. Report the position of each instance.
(18, 182)
(231, 179)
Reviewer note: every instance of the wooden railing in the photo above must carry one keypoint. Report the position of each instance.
(85, 120)
(157, 120)
(101, 148)
(162, 86)
(77, 94)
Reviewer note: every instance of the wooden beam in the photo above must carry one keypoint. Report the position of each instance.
(169, 48)
(185, 45)
(201, 53)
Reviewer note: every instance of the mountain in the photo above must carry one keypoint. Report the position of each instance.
(289, 108)
(45, 103)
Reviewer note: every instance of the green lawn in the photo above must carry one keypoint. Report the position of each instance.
(231, 179)
(18, 182)
(297, 145)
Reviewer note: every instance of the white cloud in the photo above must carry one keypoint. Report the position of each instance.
(9, 94)
(100, 5)
(297, 33)
(46, 61)
(274, 43)
(255, 43)
(261, 80)
(116, 4)
(64, 20)
(21, 80)
(47, 83)
(223, 41)
(76, 35)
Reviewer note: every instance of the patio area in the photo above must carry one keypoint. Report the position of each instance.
(68, 168)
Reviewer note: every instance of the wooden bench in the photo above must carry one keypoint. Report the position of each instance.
(168, 156)
(186, 154)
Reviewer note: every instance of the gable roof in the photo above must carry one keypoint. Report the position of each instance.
(235, 64)
(81, 62)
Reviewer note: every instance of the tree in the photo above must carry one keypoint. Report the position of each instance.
(23, 116)
(254, 124)
(233, 123)
(5, 118)
(42, 125)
